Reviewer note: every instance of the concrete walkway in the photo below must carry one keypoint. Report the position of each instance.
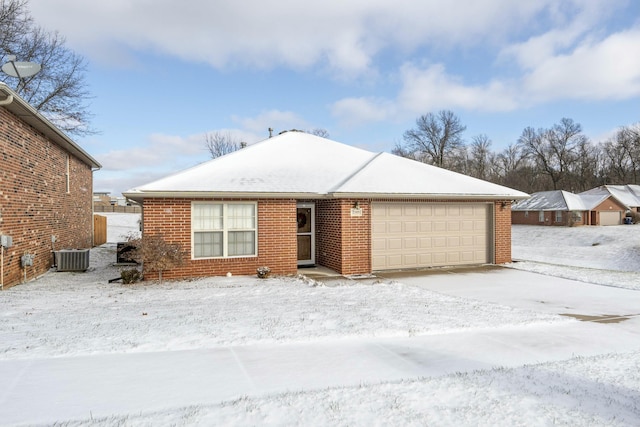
(103, 385)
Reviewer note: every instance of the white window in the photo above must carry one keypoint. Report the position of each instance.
(540, 216)
(526, 214)
(558, 216)
(224, 230)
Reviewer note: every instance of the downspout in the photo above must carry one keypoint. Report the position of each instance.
(8, 100)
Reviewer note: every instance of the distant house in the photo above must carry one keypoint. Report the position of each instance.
(101, 198)
(628, 195)
(299, 200)
(562, 208)
(46, 184)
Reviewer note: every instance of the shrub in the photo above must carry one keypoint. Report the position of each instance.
(155, 253)
(130, 275)
(263, 272)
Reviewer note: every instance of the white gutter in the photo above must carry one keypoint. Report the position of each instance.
(8, 100)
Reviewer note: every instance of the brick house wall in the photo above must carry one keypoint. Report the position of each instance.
(502, 232)
(532, 218)
(44, 192)
(277, 243)
(343, 242)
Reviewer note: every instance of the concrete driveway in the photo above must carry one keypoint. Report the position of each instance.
(531, 291)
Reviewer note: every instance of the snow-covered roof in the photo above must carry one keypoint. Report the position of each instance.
(628, 195)
(560, 200)
(298, 164)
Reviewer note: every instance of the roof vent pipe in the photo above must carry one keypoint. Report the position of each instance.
(8, 100)
(270, 132)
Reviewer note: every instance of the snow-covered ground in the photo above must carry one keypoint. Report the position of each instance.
(607, 256)
(77, 316)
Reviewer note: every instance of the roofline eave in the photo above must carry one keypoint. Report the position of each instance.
(138, 196)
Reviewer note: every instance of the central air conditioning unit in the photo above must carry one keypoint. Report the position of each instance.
(72, 260)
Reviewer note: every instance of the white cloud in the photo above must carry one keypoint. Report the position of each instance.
(423, 90)
(342, 36)
(433, 89)
(604, 69)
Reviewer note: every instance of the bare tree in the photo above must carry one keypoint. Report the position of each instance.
(585, 169)
(622, 156)
(553, 150)
(435, 138)
(319, 132)
(59, 90)
(219, 144)
(479, 156)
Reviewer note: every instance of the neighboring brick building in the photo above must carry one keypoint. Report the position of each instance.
(296, 200)
(46, 184)
(562, 208)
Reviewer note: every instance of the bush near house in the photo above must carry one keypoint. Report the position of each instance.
(155, 253)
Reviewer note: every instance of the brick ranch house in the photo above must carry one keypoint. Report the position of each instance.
(46, 185)
(562, 208)
(297, 199)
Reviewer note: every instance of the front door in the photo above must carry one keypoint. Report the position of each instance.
(306, 234)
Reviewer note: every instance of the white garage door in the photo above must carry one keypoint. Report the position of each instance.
(414, 235)
(610, 218)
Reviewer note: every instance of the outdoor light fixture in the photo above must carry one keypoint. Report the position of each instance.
(356, 205)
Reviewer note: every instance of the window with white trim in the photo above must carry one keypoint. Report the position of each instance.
(558, 216)
(224, 230)
(540, 216)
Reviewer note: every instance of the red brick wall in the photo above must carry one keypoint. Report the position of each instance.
(502, 232)
(520, 217)
(277, 245)
(343, 242)
(34, 202)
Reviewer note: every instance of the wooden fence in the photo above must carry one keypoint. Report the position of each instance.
(99, 230)
(121, 209)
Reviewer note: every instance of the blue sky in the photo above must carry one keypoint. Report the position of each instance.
(165, 73)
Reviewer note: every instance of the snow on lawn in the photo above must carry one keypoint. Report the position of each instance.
(602, 255)
(80, 313)
(600, 390)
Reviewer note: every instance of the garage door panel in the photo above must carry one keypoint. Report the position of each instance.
(439, 258)
(426, 243)
(425, 210)
(439, 242)
(426, 226)
(440, 210)
(439, 226)
(378, 245)
(411, 235)
(410, 227)
(453, 226)
(394, 243)
(410, 243)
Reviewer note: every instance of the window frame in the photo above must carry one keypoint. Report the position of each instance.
(558, 217)
(225, 230)
(540, 216)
